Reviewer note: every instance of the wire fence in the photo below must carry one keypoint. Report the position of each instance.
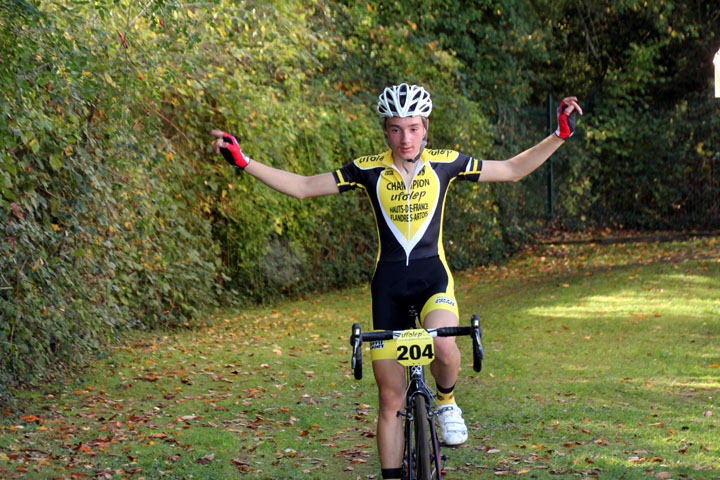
(671, 181)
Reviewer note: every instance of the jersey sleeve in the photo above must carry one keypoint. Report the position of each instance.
(472, 168)
(348, 177)
(356, 174)
(456, 165)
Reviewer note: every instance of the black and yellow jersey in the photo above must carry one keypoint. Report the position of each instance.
(409, 220)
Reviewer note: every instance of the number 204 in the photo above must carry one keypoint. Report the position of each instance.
(415, 352)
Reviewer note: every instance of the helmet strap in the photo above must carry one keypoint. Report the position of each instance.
(422, 147)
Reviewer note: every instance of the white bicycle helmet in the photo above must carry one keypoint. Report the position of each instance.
(404, 101)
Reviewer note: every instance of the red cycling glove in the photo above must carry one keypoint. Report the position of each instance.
(566, 123)
(233, 154)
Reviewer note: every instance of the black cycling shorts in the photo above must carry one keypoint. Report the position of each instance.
(425, 284)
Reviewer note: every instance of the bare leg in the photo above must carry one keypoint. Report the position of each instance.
(446, 365)
(390, 377)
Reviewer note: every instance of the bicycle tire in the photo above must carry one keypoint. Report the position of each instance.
(423, 440)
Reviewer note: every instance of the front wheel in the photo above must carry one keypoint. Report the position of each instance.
(422, 444)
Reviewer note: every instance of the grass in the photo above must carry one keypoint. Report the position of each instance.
(601, 362)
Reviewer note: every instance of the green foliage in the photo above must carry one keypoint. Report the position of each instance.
(117, 215)
(642, 68)
(96, 236)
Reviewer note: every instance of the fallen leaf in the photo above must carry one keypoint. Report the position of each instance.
(206, 459)
(30, 418)
(85, 449)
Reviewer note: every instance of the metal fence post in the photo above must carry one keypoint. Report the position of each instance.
(550, 191)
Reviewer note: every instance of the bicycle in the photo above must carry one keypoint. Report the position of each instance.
(422, 458)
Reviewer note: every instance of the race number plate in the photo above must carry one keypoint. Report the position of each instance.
(415, 347)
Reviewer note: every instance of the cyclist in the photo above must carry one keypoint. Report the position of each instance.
(406, 186)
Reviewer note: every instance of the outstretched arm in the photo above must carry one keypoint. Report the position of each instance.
(298, 186)
(520, 165)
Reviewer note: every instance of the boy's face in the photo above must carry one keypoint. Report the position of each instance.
(405, 136)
